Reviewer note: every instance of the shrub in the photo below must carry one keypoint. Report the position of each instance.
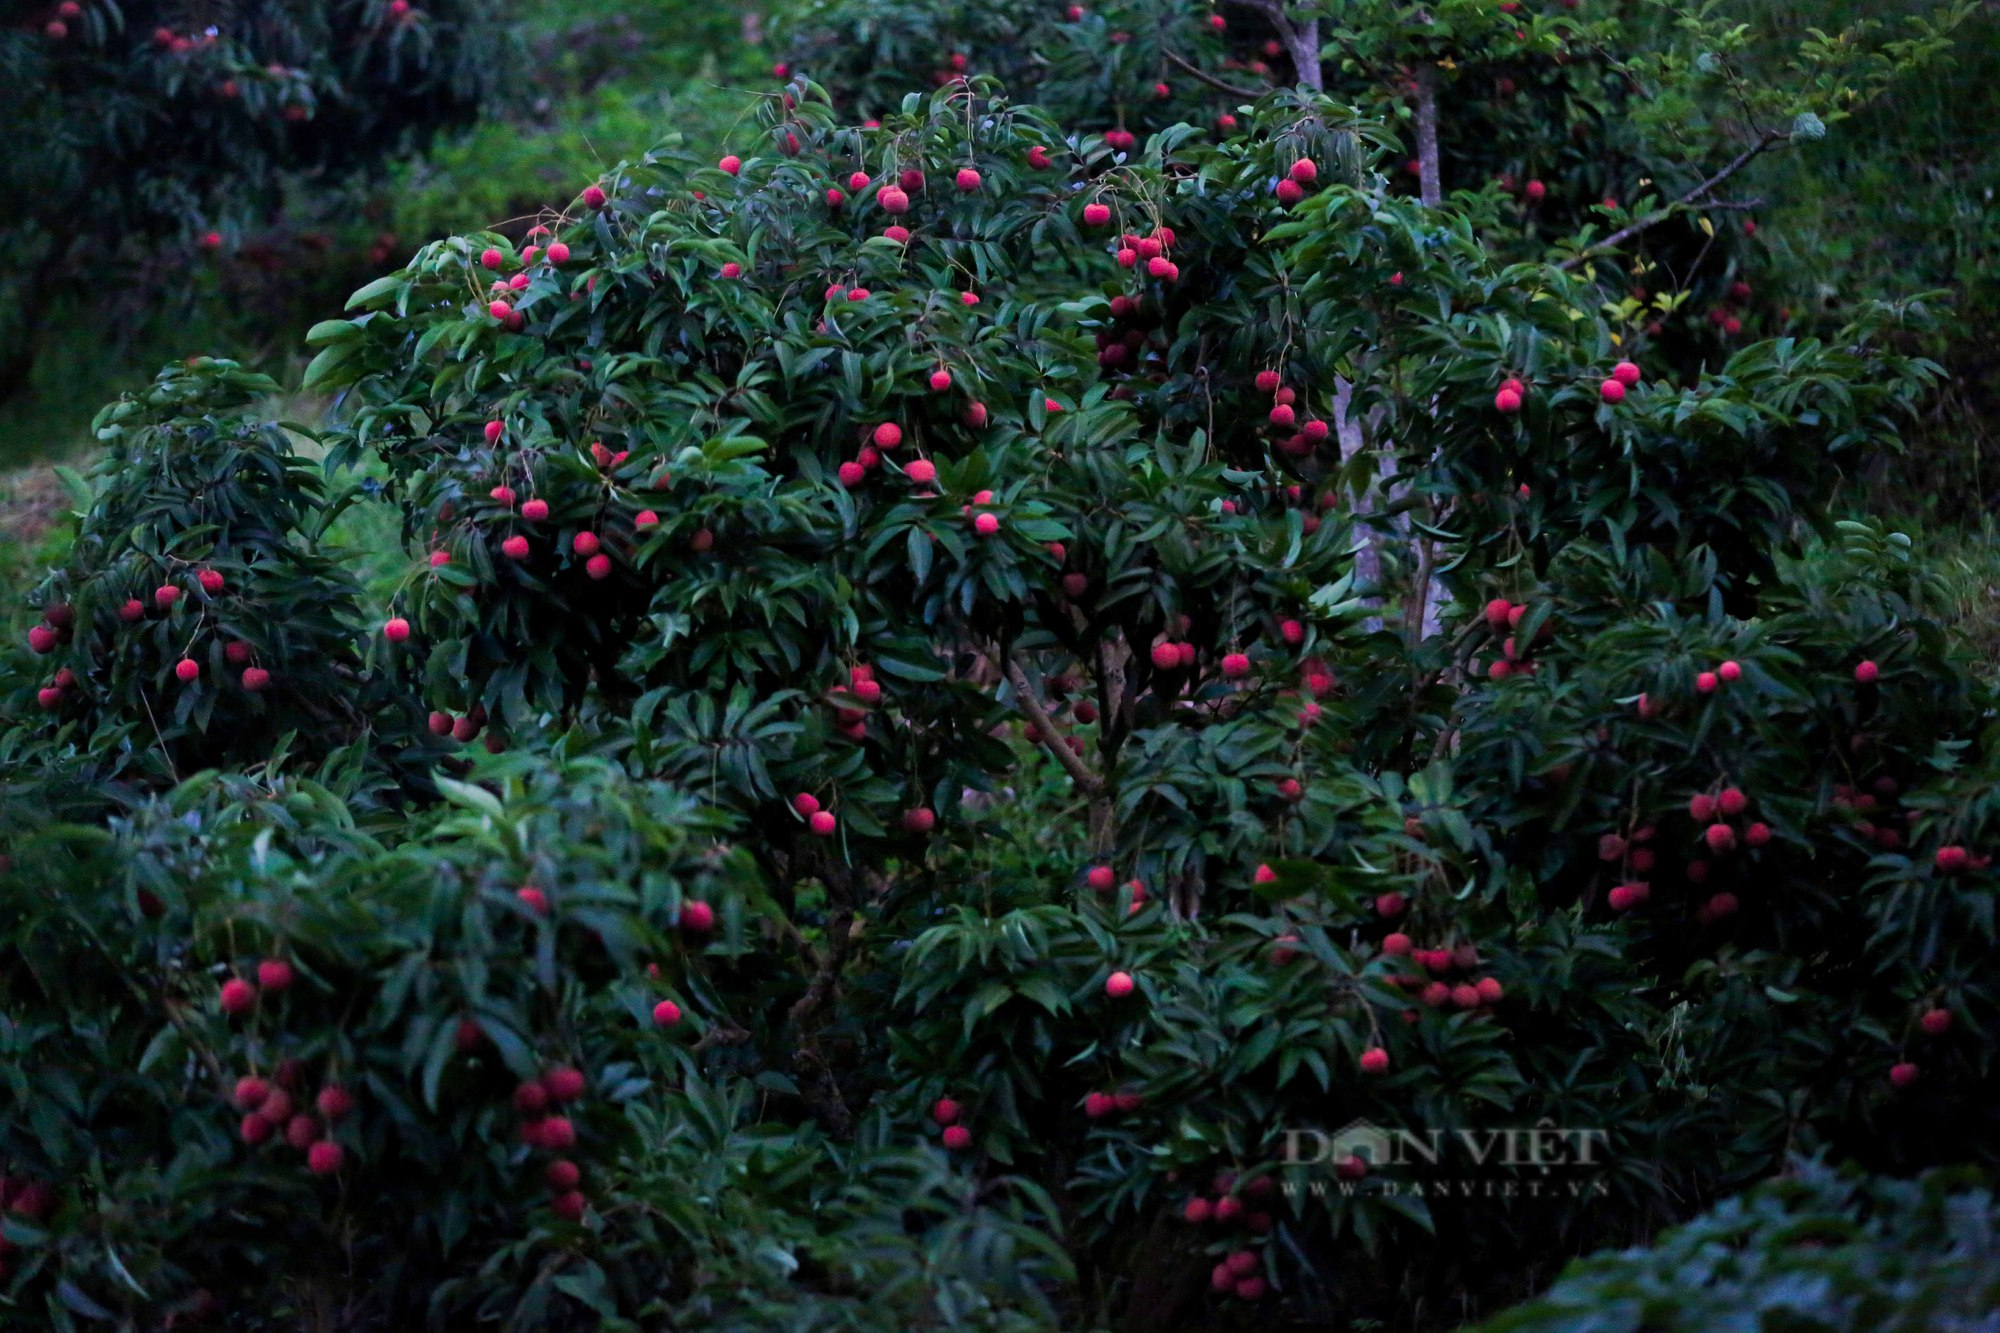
(399, 1020)
(1816, 1249)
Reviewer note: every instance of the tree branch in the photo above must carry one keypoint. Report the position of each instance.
(1765, 142)
(1024, 698)
(1203, 76)
(721, 1034)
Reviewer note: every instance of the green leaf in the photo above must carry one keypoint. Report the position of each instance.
(476, 799)
(332, 331)
(320, 370)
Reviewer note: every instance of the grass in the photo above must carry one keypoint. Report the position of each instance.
(1968, 559)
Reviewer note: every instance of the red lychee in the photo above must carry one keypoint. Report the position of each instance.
(237, 996)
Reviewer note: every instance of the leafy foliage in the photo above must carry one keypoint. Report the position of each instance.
(1026, 682)
(197, 622)
(1816, 1250)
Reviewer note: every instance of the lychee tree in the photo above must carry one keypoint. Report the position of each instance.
(949, 745)
(142, 127)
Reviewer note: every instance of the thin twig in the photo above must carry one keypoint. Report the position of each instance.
(1765, 142)
(1415, 614)
(162, 740)
(721, 1035)
(1220, 85)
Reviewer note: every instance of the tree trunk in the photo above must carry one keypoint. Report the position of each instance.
(1432, 188)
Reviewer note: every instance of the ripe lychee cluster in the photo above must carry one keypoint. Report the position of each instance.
(1515, 657)
(1147, 256)
(464, 729)
(946, 1113)
(1634, 860)
(1231, 1205)
(58, 629)
(1871, 815)
(1098, 1105)
(1104, 881)
(1291, 187)
(1432, 976)
(1952, 859)
(1299, 435)
(1725, 673)
(545, 1125)
(1132, 340)
(269, 1108)
(851, 704)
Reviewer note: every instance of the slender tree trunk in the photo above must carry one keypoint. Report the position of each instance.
(1300, 40)
(1432, 188)
(1426, 588)
(1347, 429)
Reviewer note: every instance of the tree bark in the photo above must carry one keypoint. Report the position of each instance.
(1300, 40)
(1092, 785)
(1431, 186)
